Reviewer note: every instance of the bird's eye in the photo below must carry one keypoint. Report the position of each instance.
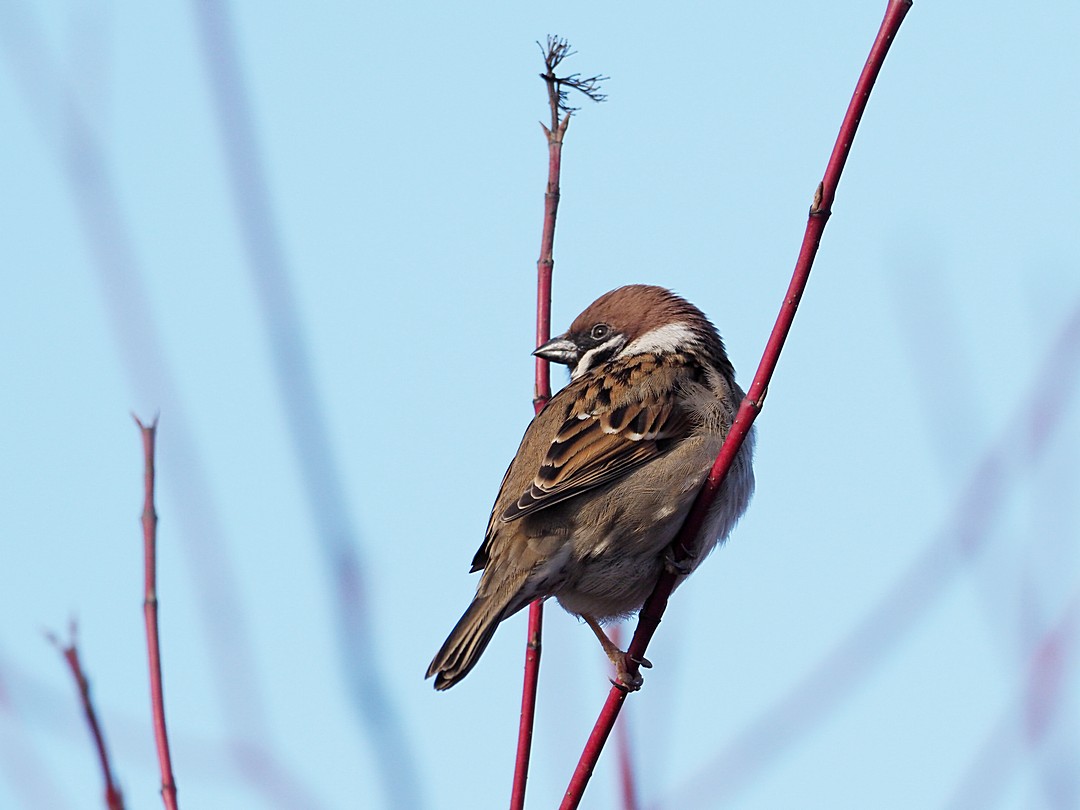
(600, 331)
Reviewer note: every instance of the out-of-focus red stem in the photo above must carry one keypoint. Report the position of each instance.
(627, 783)
(150, 614)
(820, 210)
(541, 394)
(114, 800)
(1047, 687)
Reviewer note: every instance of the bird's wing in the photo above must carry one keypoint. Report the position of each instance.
(604, 437)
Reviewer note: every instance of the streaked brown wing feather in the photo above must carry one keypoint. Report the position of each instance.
(480, 558)
(599, 446)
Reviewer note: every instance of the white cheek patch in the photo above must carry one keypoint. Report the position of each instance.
(668, 338)
(586, 361)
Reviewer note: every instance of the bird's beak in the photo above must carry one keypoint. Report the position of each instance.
(559, 350)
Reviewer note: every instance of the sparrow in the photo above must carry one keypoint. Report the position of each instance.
(607, 472)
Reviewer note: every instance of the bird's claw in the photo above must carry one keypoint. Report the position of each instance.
(681, 567)
(621, 686)
(625, 679)
(626, 682)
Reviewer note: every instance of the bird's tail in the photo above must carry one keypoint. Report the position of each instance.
(468, 640)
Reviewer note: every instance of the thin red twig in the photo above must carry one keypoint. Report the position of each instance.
(555, 135)
(557, 50)
(546, 263)
(627, 782)
(81, 154)
(528, 705)
(114, 799)
(965, 535)
(820, 210)
(150, 614)
(541, 394)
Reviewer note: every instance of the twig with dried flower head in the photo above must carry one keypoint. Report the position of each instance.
(557, 50)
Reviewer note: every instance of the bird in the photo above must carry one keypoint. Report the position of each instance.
(606, 474)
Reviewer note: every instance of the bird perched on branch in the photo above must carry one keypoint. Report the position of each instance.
(607, 472)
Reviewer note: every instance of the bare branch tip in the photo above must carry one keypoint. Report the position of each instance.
(152, 426)
(62, 647)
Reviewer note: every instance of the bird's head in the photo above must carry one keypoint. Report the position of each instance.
(635, 319)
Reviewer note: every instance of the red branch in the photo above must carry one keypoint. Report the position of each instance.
(150, 614)
(627, 783)
(546, 263)
(114, 800)
(963, 537)
(541, 394)
(820, 210)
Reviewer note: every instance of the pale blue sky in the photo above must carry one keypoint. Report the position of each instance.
(404, 172)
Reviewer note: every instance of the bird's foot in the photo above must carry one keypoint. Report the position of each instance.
(681, 567)
(626, 679)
